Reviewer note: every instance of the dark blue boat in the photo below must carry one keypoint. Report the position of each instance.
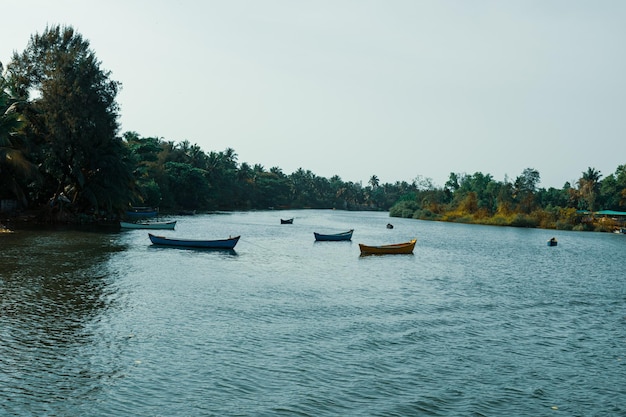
(192, 243)
(142, 212)
(334, 237)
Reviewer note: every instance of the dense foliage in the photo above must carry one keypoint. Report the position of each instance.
(68, 107)
(478, 198)
(61, 155)
(180, 176)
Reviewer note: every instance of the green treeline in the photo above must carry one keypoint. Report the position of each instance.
(478, 198)
(63, 157)
(182, 176)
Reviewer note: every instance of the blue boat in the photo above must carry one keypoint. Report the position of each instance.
(142, 212)
(193, 243)
(552, 242)
(334, 237)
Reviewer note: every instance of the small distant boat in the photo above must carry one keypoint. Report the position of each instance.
(396, 248)
(552, 242)
(620, 231)
(288, 221)
(146, 225)
(142, 212)
(334, 237)
(389, 226)
(192, 243)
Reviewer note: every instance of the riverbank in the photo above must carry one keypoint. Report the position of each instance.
(46, 217)
(556, 219)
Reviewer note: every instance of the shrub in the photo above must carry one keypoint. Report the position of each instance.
(563, 225)
(407, 213)
(500, 220)
(404, 209)
(425, 215)
(522, 220)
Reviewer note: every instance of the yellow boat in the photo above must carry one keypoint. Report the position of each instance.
(396, 248)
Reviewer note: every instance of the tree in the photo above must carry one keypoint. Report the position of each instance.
(453, 182)
(15, 167)
(222, 178)
(524, 189)
(423, 183)
(528, 180)
(374, 181)
(620, 175)
(272, 188)
(73, 120)
(302, 188)
(589, 188)
(187, 184)
(149, 172)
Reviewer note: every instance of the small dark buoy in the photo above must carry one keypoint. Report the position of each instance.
(389, 226)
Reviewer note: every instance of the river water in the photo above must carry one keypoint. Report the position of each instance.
(480, 321)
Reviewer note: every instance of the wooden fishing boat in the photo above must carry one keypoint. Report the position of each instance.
(288, 221)
(149, 225)
(552, 242)
(396, 248)
(193, 243)
(334, 237)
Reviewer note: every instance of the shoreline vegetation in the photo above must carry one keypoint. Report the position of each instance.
(64, 161)
(479, 199)
(559, 219)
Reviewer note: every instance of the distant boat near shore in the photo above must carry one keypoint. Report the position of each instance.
(142, 212)
(149, 225)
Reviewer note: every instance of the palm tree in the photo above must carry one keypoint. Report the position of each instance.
(374, 181)
(589, 187)
(14, 165)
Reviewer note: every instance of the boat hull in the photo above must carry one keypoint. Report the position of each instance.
(288, 221)
(152, 226)
(142, 213)
(395, 249)
(333, 237)
(191, 243)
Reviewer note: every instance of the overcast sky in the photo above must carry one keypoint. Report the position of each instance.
(355, 88)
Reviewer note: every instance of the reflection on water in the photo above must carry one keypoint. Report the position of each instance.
(226, 252)
(52, 286)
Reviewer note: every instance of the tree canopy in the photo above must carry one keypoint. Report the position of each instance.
(61, 153)
(72, 121)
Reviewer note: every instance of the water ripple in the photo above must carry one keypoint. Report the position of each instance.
(481, 321)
